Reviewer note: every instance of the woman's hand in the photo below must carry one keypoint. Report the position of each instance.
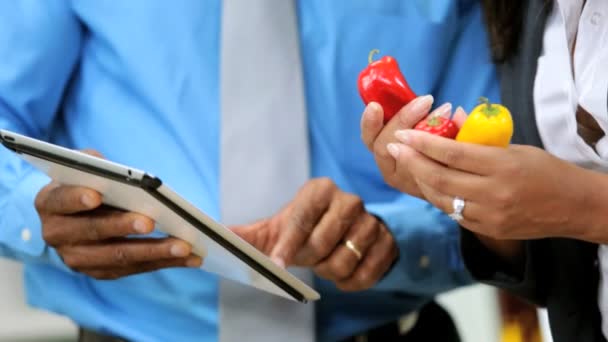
(520, 192)
(379, 138)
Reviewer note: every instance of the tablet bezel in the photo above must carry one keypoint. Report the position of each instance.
(150, 184)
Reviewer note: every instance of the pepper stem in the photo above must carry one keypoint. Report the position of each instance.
(490, 110)
(434, 120)
(370, 57)
(486, 101)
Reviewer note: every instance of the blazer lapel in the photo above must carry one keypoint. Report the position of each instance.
(518, 74)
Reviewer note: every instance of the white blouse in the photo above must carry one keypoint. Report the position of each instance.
(572, 72)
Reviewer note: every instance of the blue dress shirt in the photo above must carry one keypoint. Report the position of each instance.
(138, 81)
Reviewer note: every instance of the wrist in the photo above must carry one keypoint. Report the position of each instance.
(590, 213)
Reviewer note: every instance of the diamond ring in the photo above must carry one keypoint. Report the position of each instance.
(458, 206)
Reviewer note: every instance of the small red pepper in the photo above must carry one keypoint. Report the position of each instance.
(382, 82)
(439, 125)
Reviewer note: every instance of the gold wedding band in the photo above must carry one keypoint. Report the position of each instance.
(351, 246)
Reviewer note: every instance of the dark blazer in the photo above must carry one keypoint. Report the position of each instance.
(560, 274)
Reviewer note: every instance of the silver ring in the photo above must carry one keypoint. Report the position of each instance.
(458, 205)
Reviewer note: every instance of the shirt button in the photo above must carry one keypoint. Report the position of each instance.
(26, 234)
(596, 18)
(424, 262)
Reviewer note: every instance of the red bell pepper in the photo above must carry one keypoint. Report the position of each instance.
(439, 125)
(382, 82)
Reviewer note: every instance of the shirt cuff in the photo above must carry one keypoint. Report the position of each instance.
(429, 260)
(21, 233)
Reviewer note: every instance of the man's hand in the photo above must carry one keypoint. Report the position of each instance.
(92, 239)
(313, 230)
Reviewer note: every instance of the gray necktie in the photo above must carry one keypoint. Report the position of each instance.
(264, 153)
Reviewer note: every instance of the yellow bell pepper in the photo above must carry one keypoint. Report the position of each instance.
(488, 124)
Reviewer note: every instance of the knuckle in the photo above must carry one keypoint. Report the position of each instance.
(452, 156)
(352, 203)
(51, 232)
(363, 278)
(347, 287)
(91, 229)
(374, 228)
(39, 203)
(438, 179)
(120, 256)
(339, 270)
(324, 183)
(320, 249)
(300, 223)
(504, 199)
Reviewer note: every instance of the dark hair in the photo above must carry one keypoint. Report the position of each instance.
(504, 20)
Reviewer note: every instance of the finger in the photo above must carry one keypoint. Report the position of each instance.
(66, 199)
(256, 234)
(124, 252)
(439, 177)
(310, 204)
(343, 261)
(372, 122)
(374, 265)
(401, 176)
(119, 272)
(470, 213)
(459, 117)
(477, 159)
(331, 229)
(93, 153)
(412, 113)
(406, 118)
(97, 225)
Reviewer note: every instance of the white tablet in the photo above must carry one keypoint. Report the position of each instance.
(130, 189)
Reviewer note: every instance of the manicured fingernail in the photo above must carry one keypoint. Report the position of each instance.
(179, 250)
(393, 150)
(403, 136)
(194, 262)
(278, 261)
(461, 111)
(371, 109)
(88, 201)
(422, 103)
(443, 111)
(140, 226)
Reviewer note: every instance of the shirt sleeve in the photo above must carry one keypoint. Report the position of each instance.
(526, 279)
(39, 47)
(468, 72)
(429, 259)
